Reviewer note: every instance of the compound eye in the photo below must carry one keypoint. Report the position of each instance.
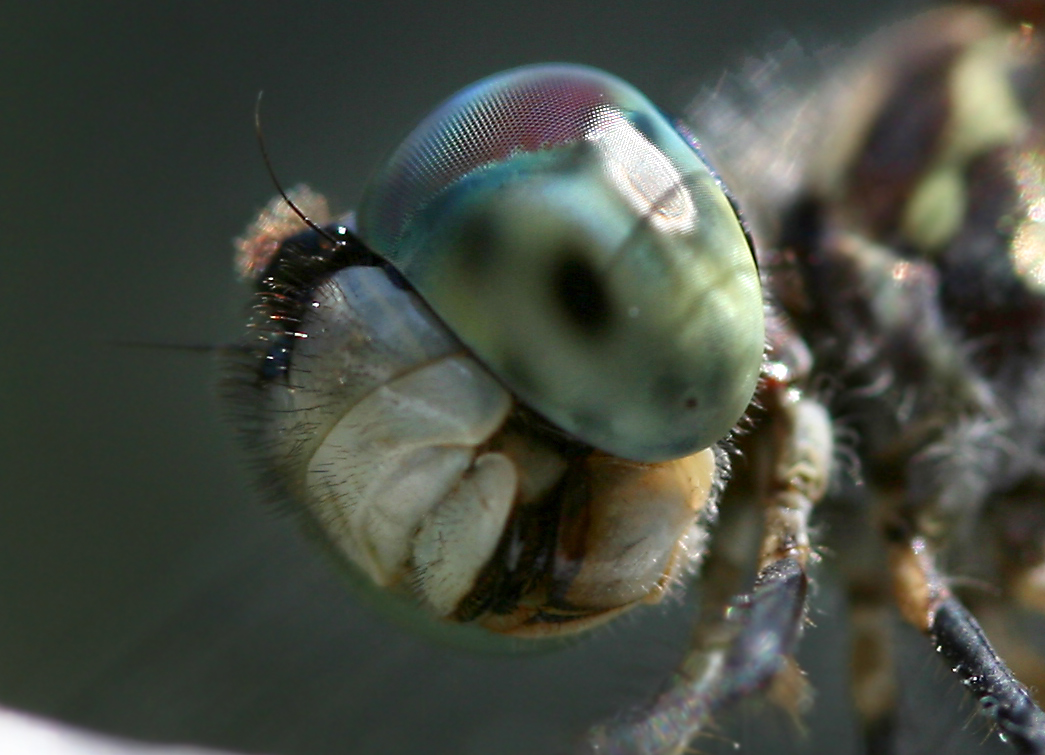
(579, 245)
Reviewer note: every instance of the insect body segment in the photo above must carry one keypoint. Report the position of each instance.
(580, 246)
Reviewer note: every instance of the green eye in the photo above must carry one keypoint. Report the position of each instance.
(579, 245)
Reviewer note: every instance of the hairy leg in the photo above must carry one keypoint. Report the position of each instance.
(927, 603)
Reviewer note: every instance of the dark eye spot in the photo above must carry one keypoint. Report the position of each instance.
(580, 292)
(690, 403)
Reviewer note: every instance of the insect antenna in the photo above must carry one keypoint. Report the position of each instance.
(222, 349)
(279, 187)
(202, 348)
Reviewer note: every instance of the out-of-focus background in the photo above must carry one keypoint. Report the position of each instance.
(143, 590)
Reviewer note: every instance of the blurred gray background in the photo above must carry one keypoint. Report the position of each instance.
(143, 590)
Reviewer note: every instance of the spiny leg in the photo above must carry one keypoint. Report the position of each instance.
(927, 603)
(1015, 562)
(755, 641)
(1002, 698)
(1001, 622)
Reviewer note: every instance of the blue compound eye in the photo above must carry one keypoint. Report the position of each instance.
(580, 246)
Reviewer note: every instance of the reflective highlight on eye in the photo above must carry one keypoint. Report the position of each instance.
(644, 176)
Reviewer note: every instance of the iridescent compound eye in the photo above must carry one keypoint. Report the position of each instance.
(579, 245)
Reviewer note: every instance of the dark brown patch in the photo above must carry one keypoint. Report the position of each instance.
(580, 292)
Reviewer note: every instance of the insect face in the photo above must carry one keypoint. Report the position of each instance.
(496, 398)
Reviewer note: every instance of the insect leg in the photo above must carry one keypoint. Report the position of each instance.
(1001, 622)
(927, 603)
(1014, 560)
(755, 640)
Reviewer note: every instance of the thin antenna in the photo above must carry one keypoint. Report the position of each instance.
(272, 174)
(204, 348)
(225, 351)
